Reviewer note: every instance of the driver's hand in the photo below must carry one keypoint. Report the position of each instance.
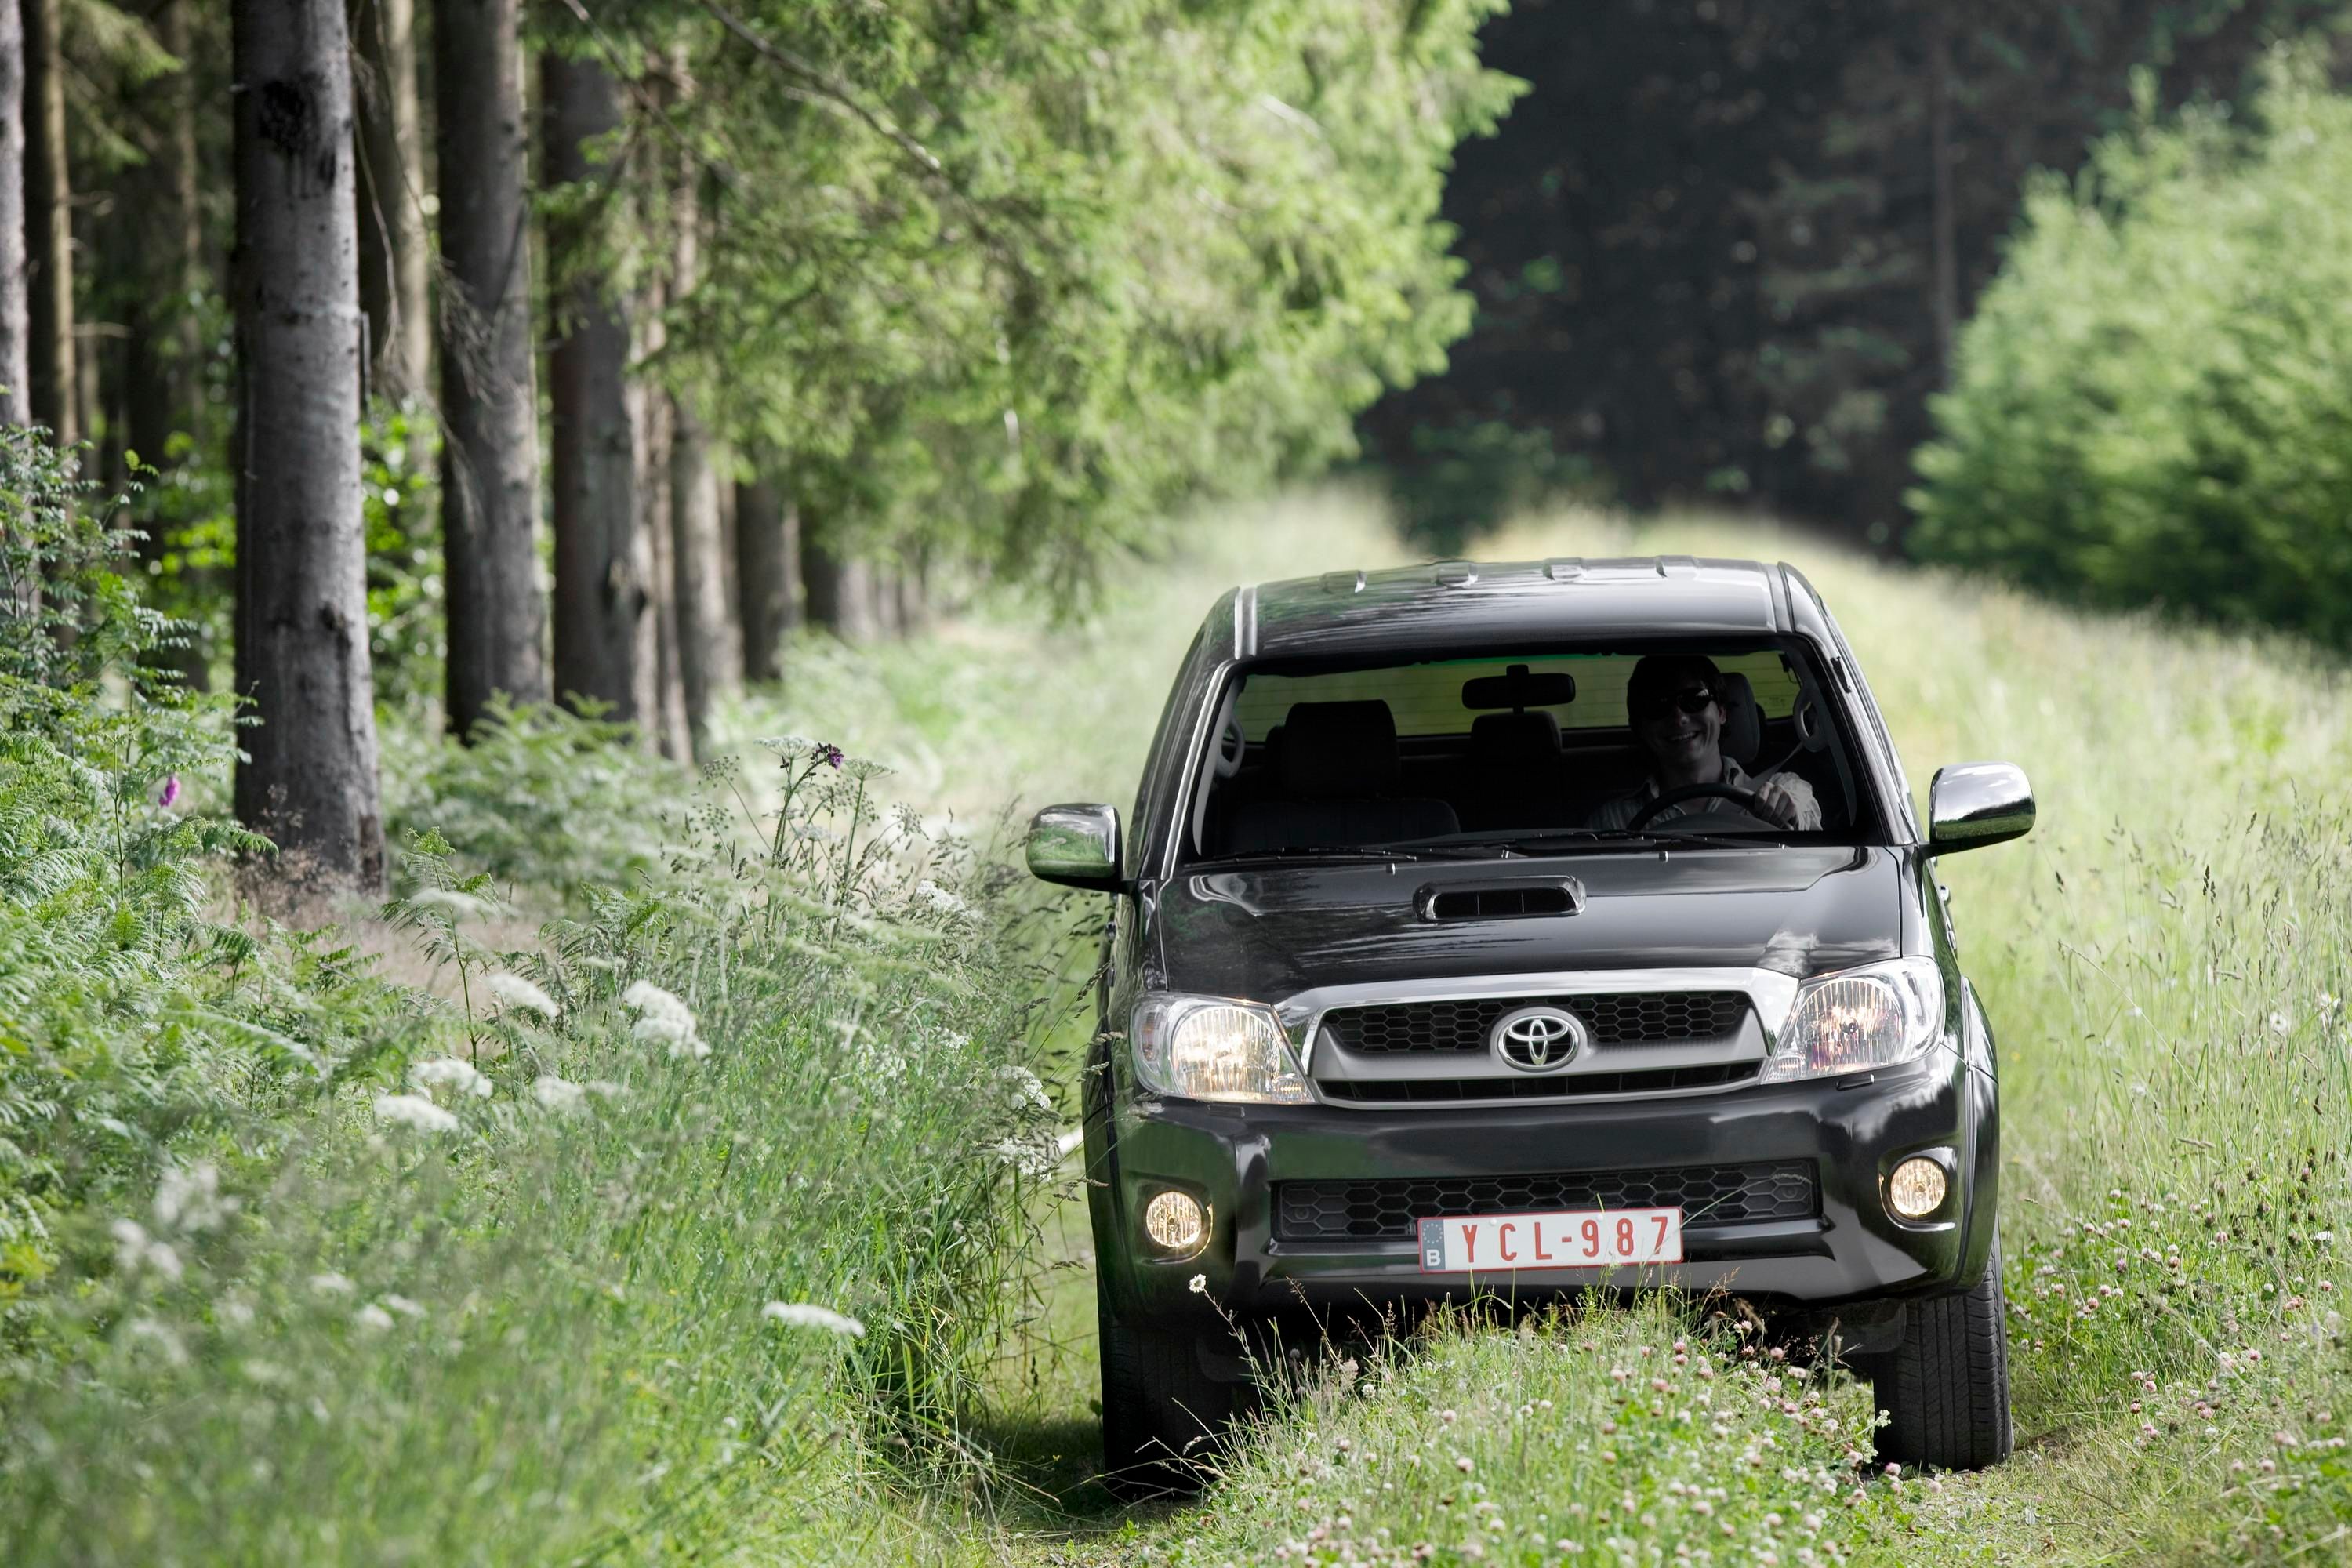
(1787, 806)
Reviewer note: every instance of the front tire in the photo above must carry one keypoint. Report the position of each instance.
(1162, 1415)
(1945, 1387)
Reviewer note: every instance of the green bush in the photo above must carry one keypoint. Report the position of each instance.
(2154, 402)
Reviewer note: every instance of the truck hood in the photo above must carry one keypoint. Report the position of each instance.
(1269, 932)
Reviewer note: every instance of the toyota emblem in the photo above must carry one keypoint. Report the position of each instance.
(1538, 1039)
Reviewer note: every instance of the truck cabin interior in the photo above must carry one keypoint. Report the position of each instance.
(1307, 757)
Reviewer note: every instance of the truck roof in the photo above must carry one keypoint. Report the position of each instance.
(1467, 602)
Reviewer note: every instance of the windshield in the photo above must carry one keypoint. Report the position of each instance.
(1554, 747)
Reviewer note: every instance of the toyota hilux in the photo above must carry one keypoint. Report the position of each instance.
(1513, 932)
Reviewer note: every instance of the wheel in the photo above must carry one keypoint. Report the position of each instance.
(1945, 1386)
(1162, 1415)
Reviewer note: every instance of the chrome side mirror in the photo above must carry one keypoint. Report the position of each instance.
(1970, 805)
(1077, 845)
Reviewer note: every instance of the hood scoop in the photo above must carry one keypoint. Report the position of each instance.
(1505, 900)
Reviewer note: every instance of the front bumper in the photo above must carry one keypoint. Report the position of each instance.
(1852, 1250)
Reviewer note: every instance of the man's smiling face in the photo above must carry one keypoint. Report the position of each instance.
(1684, 740)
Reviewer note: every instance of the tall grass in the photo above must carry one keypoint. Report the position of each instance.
(2162, 961)
(280, 1323)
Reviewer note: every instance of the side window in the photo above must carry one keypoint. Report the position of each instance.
(1157, 763)
(1903, 803)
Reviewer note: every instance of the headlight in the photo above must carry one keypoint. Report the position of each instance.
(1857, 1019)
(1204, 1047)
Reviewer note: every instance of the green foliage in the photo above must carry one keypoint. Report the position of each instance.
(729, 1172)
(1004, 285)
(2152, 401)
(107, 965)
(541, 797)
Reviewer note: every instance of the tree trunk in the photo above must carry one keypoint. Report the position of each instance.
(698, 558)
(1946, 302)
(392, 247)
(16, 403)
(604, 627)
(840, 593)
(309, 780)
(162, 391)
(766, 569)
(489, 450)
(663, 698)
(55, 388)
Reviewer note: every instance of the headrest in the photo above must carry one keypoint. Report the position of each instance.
(1511, 739)
(1338, 751)
(1743, 726)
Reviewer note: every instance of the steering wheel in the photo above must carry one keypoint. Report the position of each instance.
(1745, 799)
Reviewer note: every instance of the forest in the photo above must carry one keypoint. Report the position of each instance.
(545, 545)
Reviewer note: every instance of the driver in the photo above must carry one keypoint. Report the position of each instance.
(1674, 704)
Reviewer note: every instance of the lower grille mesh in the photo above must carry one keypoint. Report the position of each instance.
(1385, 1209)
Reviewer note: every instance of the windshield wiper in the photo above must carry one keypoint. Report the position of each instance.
(1306, 852)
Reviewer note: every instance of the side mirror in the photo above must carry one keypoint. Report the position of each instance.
(1970, 805)
(1077, 845)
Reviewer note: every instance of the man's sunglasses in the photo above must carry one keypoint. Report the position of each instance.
(1658, 703)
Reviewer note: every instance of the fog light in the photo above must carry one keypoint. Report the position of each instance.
(1916, 1189)
(1176, 1223)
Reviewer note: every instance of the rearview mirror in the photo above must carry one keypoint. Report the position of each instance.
(1970, 805)
(1077, 845)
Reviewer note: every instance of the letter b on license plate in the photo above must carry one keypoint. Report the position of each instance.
(1572, 1239)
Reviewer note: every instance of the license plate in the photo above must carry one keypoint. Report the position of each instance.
(1573, 1239)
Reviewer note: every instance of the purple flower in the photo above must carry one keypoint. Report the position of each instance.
(171, 791)
(827, 753)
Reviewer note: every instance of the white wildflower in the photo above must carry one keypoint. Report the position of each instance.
(558, 1094)
(332, 1284)
(604, 1088)
(1198, 1285)
(1035, 1156)
(161, 1337)
(448, 1073)
(939, 899)
(514, 991)
(404, 1306)
(188, 1198)
(414, 1110)
(664, 1019)
(809, 1315)
(2281, 1025)
(372, 1317)
(1024, 1090)
(136, 1251)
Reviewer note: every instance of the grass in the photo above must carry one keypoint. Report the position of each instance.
(587, 1373)
(2162, 961)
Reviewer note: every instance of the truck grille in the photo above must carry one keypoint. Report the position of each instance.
(1384, 1209)
(1614, 1019)
(1576, 1086)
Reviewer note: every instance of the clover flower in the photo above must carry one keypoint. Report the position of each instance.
(514, 991)
(809, 1315)
(439, 1072)
(414, 1110)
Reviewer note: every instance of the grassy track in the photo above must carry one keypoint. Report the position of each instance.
(527, 1317)
(2162, 963)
